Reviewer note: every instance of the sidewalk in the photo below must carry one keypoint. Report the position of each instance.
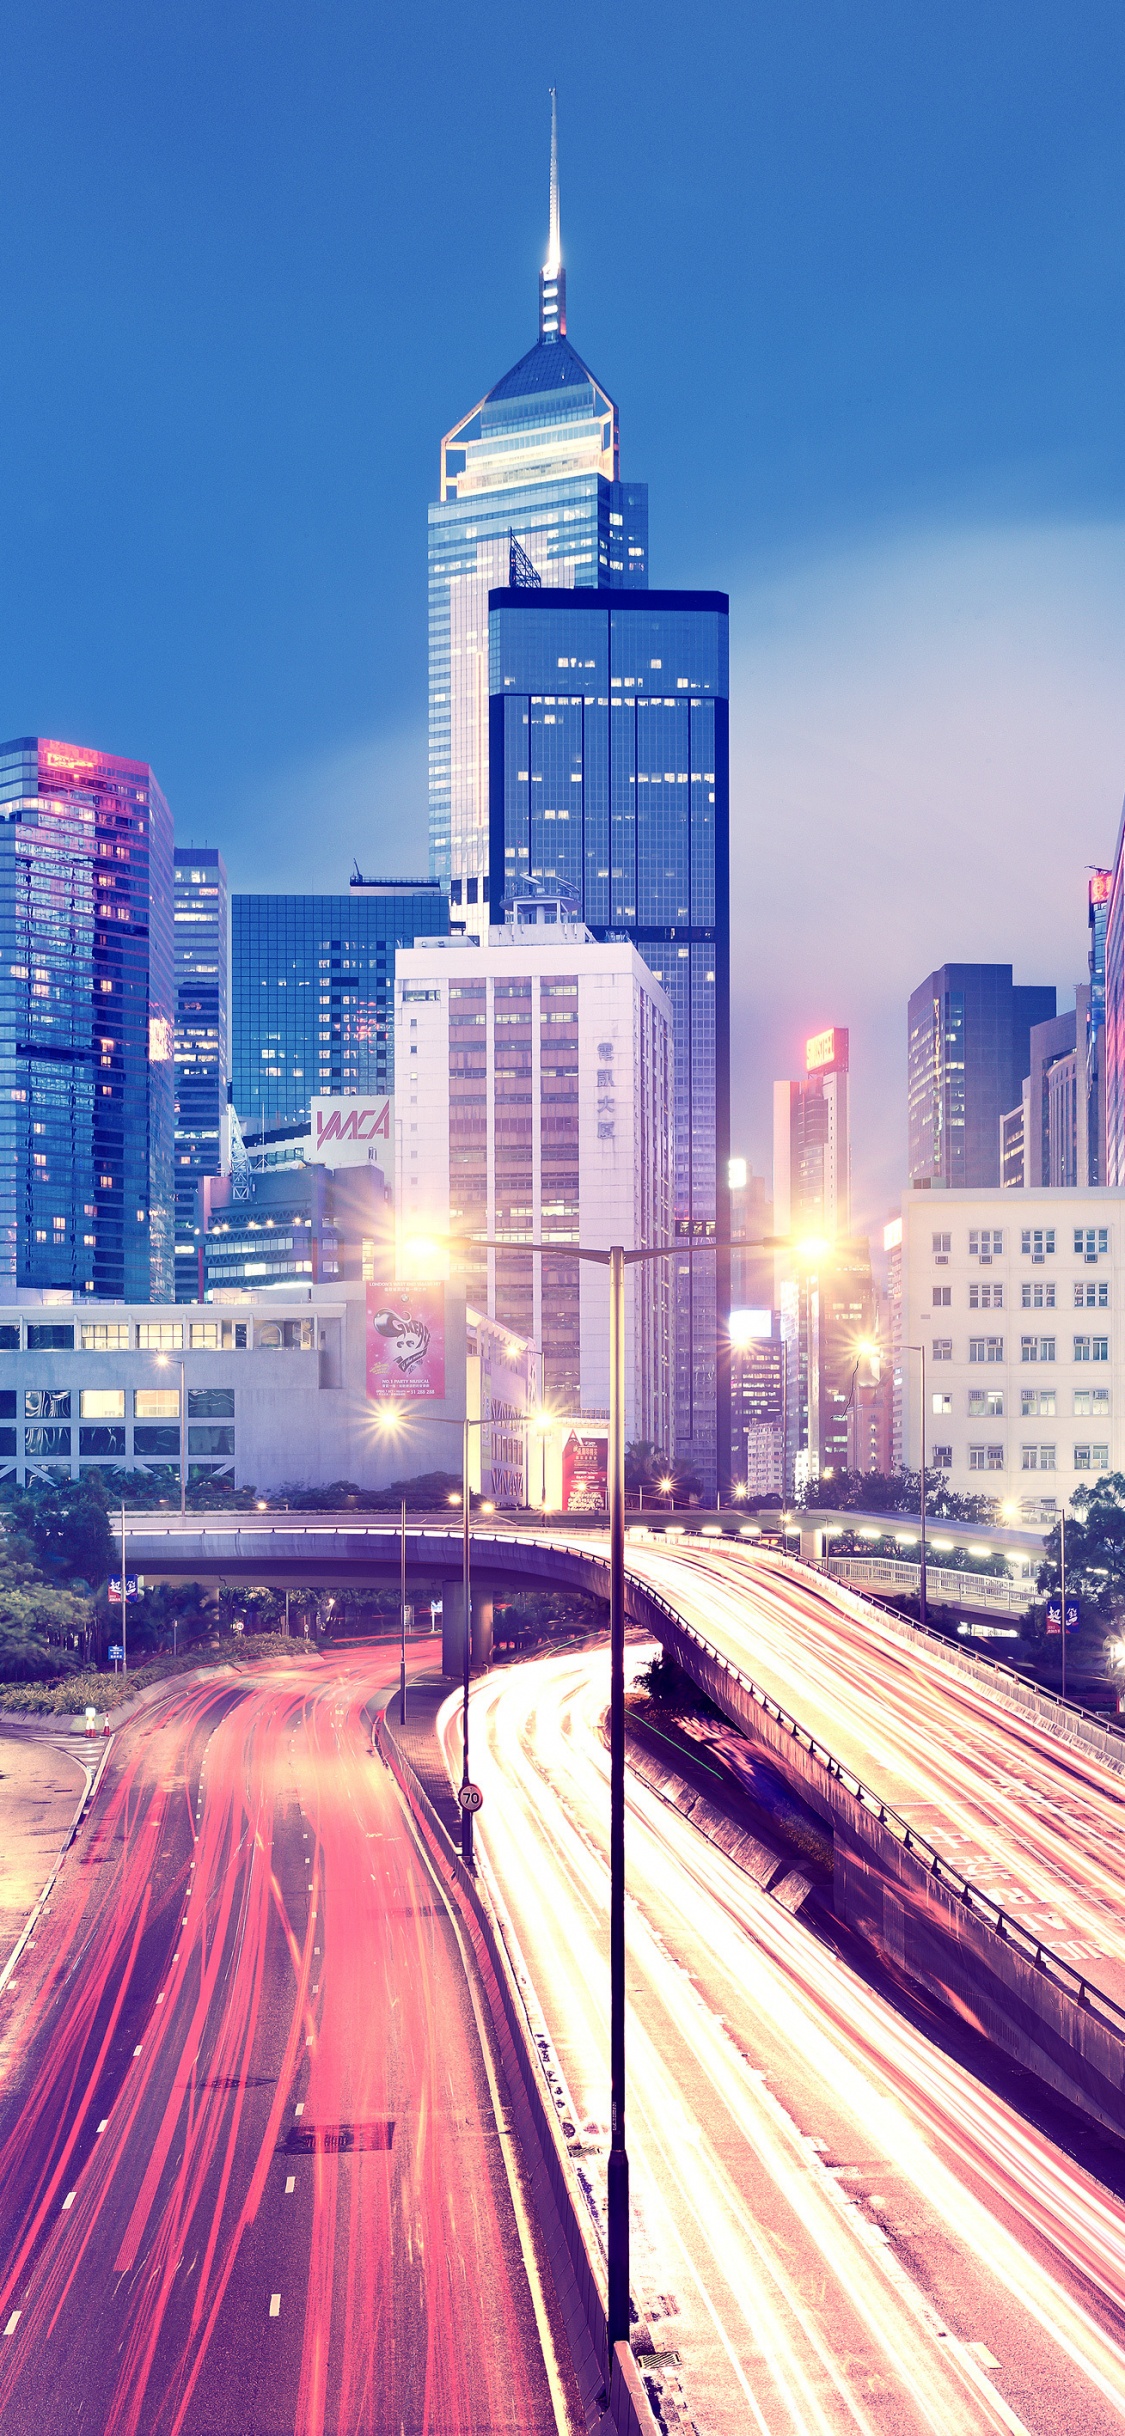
(418, 1742)
(40, 1789)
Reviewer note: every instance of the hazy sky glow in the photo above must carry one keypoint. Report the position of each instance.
(855, 275)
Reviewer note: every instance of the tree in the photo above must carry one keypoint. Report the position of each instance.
(895, 1493)
(30, 1614)
(1095, 1550)
(63, 1527)
(645, 1465)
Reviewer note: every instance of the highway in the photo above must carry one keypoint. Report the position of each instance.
(254, 2177)
(1035, 1824)
(836, 2227)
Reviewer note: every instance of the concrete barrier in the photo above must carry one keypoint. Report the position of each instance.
(613, 2393)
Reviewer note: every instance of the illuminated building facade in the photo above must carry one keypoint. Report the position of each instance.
(609, 781)
(529, 493)
(86, 1023)
(312, 993)
(812, 1143)
(969, 1050)
(202, 949)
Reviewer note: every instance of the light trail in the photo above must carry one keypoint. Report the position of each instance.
(837, 2227)
(253, 2176)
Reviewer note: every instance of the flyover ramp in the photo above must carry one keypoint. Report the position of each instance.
(974, 1845)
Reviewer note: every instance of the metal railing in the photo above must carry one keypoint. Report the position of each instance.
(945, 1582)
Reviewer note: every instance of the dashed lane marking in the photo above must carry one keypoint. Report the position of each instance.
(13, 2321)
(275, 2304)
(290, 2184)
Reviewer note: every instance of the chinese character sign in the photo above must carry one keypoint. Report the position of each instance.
(584, 1473)
(406, 1341)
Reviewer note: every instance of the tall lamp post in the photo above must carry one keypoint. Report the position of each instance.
(391, 1421)
(920, 1350)
(616, 1258)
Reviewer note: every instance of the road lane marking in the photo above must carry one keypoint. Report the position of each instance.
(101, 2127)
(981, 2352)
(290, 2184)
(70, 2199)
(299, 2110)
(136, 2050)
(13, 2321)
(275, 2304)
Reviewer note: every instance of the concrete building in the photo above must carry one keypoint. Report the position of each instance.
(533, 1089)
(86, 1023)
(1015, 1297)
(968, 1052)
(1052, 1137)
(202, 1042)
(295, 1224)
(287, 1390)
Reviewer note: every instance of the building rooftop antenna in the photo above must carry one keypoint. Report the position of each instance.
(552, 277)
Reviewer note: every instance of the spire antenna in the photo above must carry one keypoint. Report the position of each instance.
(552, 277)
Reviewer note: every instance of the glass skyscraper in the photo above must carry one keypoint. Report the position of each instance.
(86, 1024)
(202, 1042)
(968, 1052)
(312, 992)
(530, 492)
(608, 759)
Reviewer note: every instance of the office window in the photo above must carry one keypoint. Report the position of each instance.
(43, 1336)
(1037, 1348)
(41, 1445)
(986, 1298)
(986, 1349)
(205, 1335)
(1037, 1458)
(942, 1245)
(156, 1403)
(210, 1404)
(1091, 1349)
(9, 1339)
(943, 1349)
(1093, 1402)
(101, 1404)
(159, 1336)
(941, 1458)
(941, 1404)
(212, 1441)
(985, 1403)
(108, 1440)
(106, 1336)
(1092, 1458)
(1037, 1403)
(986, 1459)
(943, 1296)
(46, 1403)
(1037, 1294)
(149, 1441)
(985, 1242)
(1037, 1241)
(1092, 1294)
(1089, 1241)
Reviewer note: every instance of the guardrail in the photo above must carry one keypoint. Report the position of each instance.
(949, 1583)
(1042, 1957)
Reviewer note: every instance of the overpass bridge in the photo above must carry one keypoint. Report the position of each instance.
(975, 1821)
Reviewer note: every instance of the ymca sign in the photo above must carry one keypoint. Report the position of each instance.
(351, 1132)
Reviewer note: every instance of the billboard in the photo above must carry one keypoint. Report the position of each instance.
(572, 1467)
(827, 1049)
(406, 1340)
(351, 1132)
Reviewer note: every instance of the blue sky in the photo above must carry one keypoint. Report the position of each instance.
(855, 274)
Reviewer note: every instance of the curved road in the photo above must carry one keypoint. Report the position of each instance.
(253, 2175)
(836, 2226)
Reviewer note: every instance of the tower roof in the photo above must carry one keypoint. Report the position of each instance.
(552, 364)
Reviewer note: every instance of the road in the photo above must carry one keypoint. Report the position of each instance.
(836, 2227)
(1035, 1824)
(254, 2179)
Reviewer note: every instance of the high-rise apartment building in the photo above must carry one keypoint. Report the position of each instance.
(86, 1023)
(968, 1053)
(312, 993)
(202, 951)
(529, 494)
(533, 1103)
(812, 1142)
(609, 783)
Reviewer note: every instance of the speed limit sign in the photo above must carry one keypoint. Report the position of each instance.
(470, 1797)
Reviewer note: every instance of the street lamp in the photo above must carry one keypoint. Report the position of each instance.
(392, 1420)
(920, 1350)
(616, 1259)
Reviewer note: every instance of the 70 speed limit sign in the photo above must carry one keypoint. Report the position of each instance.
(470, 1797)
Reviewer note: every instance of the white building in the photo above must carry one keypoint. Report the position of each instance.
(285, 1390)
(1018, 1299)
(533, 1081)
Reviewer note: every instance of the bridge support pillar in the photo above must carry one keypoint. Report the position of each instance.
(482, 1627)
(812, 1545)
(453, 1629)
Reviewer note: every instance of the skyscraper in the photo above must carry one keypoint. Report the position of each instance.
(86, 1023)
(969, 1041)
(312, 992)
(533, 1105)
(608, 762)
(202, 1042)
(812, 1144)
(530, 493)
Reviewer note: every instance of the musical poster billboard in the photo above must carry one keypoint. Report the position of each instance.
(405, 1341)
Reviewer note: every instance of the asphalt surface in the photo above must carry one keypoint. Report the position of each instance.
(836, 2226)
(254, 2182)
